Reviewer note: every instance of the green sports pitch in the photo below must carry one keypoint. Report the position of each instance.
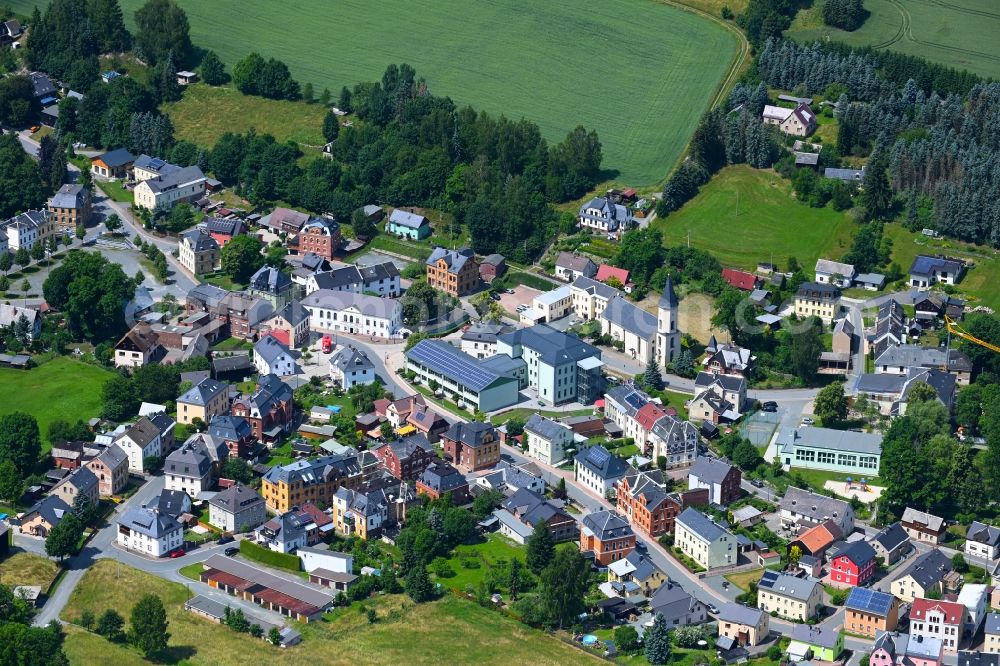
(640, 72)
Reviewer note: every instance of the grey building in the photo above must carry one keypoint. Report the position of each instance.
(238, 508)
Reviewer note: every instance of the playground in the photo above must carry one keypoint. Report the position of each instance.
(855, 487)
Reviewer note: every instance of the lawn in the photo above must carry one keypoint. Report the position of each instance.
(492, 550)
(114, 189)
(770, 224)
(205, 113)
(404, 633)
(524, 414)
(62, 388)
(958, 33)
(623, 68)
(743, 579)
(28, 569)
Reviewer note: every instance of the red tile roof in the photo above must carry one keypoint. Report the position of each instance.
(954, 613)
(739, 279)
(280, 335)
(649, 414)
(605, 272)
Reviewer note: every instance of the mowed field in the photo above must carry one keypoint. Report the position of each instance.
(958, 33)
(638, 71)
(770, 224)
(62, 388)
(403, 633)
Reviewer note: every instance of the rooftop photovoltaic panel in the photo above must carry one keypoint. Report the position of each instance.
(871, 601)
(156, 164)
(598, 456)
(442, 358)
(635, 400)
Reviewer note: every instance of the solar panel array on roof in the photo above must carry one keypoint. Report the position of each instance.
(635, 400)
(871, 601)
(453, 363)
(156, 163)
(598, 456)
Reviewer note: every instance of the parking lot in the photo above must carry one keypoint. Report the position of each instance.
(522, 296)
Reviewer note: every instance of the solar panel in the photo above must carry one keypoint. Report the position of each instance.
(156, 164)
(445, 359)
(872, 601)
(635, 400)
(598, 456)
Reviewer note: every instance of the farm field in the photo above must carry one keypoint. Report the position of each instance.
(770, 226)
(62, 388)
(421, 634)
(957, 33)
(634, 70)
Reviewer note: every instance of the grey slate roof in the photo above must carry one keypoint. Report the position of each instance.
(799, 589)
(602, 462)
(372, 306)
(485, 332)
(51, 507)
(630, 317)
(116, 158)
(592, 286)
(471, 434)
(270, 280)
(154, 164)
(575, 262)
(553, 347)
(817, 507)
(544, 427)
(270, 349)
(68, 196)
(455, 259)
(171, 502)
(405, 218)
(928, 568)
(151, 523)
(701, 525)
(706, 380)
(835, 267)
(113, 456)
(607, 525)
(740, 614)
(710, 470)
(235, 498)
(836, 440)
(982, 533)
(442, 477)
(348, 359)
(993, 624)
(932, 522)
(891, 537)
(174, 179)
(191, 460)
(203, 392)
(530, 506)
(815, 635)
(200, 240)
(668, 299)
(673, 603)
(82, 479)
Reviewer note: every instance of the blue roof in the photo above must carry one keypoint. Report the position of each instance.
(869, 601)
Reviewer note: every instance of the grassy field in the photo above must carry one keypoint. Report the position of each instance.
(623, 68)
(743, 579)
(494, 549)
(59, 389)
(404, 633)
(205, 113)
(957, 33)
(770, 225)
(28, 569)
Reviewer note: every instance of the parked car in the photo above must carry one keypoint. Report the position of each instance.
(231, 551)
(756, 483)
(769, 406)
(177, 552)
(225, 538)
(713, 609)
(807, 420)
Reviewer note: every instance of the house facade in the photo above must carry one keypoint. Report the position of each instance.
(606, 535)
(471, 446)
(198, 252)
(150, 532)
(922, 526)
(237, 509)
(703, 540)
(814, 299)
(870, 612)
(720, 478)
(269, 409)
(790, 597)
(110, 467)
(598, 469)
(935, 619)
(843, 451)
(164, 192)
(408, 225)
(70, 206)
(349, 312)
(746, 626)
(206, 400)
(453, 271)
(547, 440)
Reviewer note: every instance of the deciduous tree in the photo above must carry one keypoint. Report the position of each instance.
(148, 625)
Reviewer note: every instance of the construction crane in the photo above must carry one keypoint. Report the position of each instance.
(955, 329)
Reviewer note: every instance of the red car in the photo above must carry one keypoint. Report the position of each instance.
(179, 552)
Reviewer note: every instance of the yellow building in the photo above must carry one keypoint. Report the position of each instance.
(302, 481)
(814, 299)
(203, 401)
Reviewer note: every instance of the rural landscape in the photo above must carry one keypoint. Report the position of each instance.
(491, 332)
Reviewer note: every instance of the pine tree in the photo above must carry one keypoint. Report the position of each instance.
(656, 640)
(344, 103)
(652, 377)
(418, 584)
(307, 93)
(540, 548)
(325, 97)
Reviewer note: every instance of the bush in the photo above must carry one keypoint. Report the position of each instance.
(774, 653)
(252, 551)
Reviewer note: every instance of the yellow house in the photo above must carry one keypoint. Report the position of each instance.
(637, 568)
(207, 399)
(814, 299)
(744, 625)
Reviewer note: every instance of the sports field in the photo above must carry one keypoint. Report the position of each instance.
(958, 33)
(744, 216)
(640, 72)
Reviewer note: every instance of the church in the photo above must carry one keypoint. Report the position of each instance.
(645, 336)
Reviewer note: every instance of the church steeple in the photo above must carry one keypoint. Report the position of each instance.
(668, 299)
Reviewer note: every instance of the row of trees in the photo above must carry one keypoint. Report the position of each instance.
(157, 383)
(147, 629)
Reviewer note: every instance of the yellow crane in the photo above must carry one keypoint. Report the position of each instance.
(955, 329)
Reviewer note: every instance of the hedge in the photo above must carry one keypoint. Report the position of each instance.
(252, 551)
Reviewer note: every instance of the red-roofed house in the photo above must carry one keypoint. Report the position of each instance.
(938, 619)
(605, 273)
(281, 336)
(815, 540)
(740, 279)
(649, 414)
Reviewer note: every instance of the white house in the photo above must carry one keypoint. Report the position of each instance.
(350, 367)
(192, 467)
(835, 272)
(349, 312)
(982, 541)
(141, 440)
(599, 469)
(149, 532)
(164, 192)
(26, 229)
(381, 279)
(604, 215)
(547, 439)
(555, 304)
(271, 357)
(237, 509)
(703, 540)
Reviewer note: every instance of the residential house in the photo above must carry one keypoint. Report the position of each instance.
(146, 167)
(898, 359)
(814, 299)
(842, 341)
(704, 541)
(427, 422)
(289, 325)
(853, 565)
(834, 272)
(408, 225)
(991, 642)
(508, 478)
(656, 432)
(925, 574)
(354, 313)
(603, 215)
(891, 392)
(643, 498)
(718, 398)
(870, 612)
(923, 526)
(815, 642)
(284, 220)
(350, 367)
(930, 306)
(43, 516)
(269, 409)
(926, 271)
(315, 480)
(194, 466)
(224, 229)
(744, 625)
(80, 481)
(164, 192)
(972, 597)
(677, 607)
(69, 207)
(440, 478)
(598, 469)
(453, 271)
(205, 400)
(284, 533)
(547, 439)
(198, 252)
(560, 367)
(491, 267)
(407, 457)
(480, 339)
(380, 279)
(870, 281)
(149, 532)
(237, 509)
(638, 569)
(891, 543)
(895, 649)
(270, 357)
(11, 314)
(590, 297)
(523, 510)
(802, 507)
(146, 438)
(890, 328)
(571, 266)
(374, 507)
(138, 347)
(320, 236)
(236, 432)
(720, 478)
(728, 359)
(741, 280)
(843, 451)
(800, 121)
(943, 620)
(272, 285)
(982, 541)
(978, 659)
(608, 536)
(112, 164)
(174, 503)
(790, 597)
(458, 373)
(26, 229)
(549, 306)
(110, 467)
(816, 540)
(471, 446)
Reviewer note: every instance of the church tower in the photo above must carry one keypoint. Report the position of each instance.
(668, 338)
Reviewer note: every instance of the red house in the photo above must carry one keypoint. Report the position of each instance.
(853, 565)
(319, 236)
(269, 410)
(740, 279)
(406, 458)
(605, 273)
(224, 230)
